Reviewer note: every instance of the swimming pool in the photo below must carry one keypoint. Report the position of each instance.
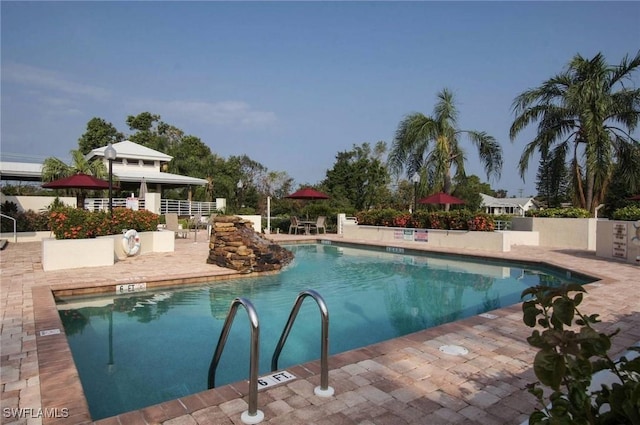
(140, 349)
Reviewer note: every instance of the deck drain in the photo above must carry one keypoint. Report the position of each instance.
(454, 350)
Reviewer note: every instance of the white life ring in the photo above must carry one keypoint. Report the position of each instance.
(131, 242)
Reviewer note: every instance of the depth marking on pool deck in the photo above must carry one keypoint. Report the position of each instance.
(50, 332)
(274, 379)
(131, 287)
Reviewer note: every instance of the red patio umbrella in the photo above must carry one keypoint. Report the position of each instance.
(441, 198)
(79, 181)
(307, 193)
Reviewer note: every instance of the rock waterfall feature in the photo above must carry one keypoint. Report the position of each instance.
(234, 244)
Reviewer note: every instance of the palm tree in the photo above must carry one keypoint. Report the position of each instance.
(585, 116)
(431, 146)
(54, 169)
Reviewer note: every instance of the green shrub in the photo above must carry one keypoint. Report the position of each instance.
(571, 350)
(628, 213)
(26, 221)
(560, 213)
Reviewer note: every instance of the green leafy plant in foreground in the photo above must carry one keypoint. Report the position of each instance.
(571, 350)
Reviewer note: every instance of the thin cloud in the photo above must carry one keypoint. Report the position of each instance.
(218, 113)
(39, 78)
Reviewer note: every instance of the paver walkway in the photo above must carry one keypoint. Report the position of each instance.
(406, 380)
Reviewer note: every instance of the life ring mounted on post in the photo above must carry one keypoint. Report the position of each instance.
(131, 242)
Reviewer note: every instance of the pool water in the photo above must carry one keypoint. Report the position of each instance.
(140, 349)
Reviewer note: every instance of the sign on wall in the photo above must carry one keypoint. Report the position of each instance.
(619, 240)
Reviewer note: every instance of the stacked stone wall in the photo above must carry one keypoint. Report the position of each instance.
(234, 244)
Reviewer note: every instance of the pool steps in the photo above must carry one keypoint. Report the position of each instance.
(252, 415)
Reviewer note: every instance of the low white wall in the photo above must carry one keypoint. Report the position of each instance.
(160, 241)
(27, 236)
(488, 241)
(76, 253)
(619, 240)
(100, 251)
(515, 237)
(576, 233)
(256, 220)
(36, 203)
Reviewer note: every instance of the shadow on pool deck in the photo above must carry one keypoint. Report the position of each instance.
(403, 380)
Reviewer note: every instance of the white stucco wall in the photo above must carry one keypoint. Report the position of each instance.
(489, 241)
(619, 240)
(36, 203)
(576, 233)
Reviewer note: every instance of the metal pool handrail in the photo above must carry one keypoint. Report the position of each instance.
(15, 235)
(252, 415)
(324, 390)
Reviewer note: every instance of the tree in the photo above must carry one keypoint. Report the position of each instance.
(359, 176)
(276, 184)
(552, 180)
(152, 132)
(99, 133)
(501, 193)
(430, 145)
(586, 116)
(469, 188)
(54, 169)
(620, 190)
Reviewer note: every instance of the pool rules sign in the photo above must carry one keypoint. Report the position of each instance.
(619, 241)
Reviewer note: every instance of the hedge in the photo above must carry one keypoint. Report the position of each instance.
(445, 220)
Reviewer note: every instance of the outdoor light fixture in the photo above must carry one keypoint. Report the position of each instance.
(239, 192)
(110, 153)
(415, 179)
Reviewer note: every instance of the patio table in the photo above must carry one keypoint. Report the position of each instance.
(307, 225)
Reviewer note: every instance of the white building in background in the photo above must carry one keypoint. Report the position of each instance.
(134, 164)
(507, 206)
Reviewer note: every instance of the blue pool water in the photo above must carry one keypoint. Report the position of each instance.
(140, 349)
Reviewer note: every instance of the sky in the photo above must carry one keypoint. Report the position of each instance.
(291, 84)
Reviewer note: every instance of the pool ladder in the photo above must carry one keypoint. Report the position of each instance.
(253, 415)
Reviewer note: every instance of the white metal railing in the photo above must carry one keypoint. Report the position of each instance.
(187, 207)
(502, 225)
(100, 204)
(182, 208)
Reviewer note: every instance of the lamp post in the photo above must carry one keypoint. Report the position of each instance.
(415, 179)
(239, 187)
(110, 153)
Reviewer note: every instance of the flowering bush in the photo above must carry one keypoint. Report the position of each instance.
(73, 223)
(445, 220)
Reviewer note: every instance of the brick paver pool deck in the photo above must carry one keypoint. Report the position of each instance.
(405, 380)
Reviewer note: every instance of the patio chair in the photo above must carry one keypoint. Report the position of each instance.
(319, 224)
(295, 225)
(196, 223)
(171, 220)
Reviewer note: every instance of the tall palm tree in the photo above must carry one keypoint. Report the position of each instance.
(430, 145)
(586, 116)
(54, 169)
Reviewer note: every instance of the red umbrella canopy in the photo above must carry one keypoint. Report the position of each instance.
(308, 193)
(78, 181)
(441, 198)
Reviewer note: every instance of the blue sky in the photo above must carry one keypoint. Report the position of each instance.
(290, 84)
